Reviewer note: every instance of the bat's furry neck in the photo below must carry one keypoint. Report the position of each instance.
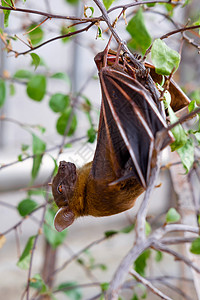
(98, 199)
(78, 203)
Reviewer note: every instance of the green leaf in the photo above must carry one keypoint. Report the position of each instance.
(40, 128)
(87, 105)
(19, 157)
(147, 228)
(178, 132)
(91, 133)
(2, 92)
(172, 216)
(23, 74)
(164, 58)
(192, 106)
(170, 8)
(72, 2)
(36, 87)
(6, 12)
(63, 120)
(167, 98)
(150, 4)
(54, 237)
(62, 76)
(186, 3)
(25, 258)
(197, 136)
(195, 95)
(128, 228)
(110, 233)
(91, 11)
(108, 3)
(68, 145)
(24, 147)
(144, 291)
(66, 30)
(35, 60)
(36, 192)
(195, 247)
(38, 147)
(12, 89)
(59, 102)
(104, 286)
(73, 126)
(186, 154)
(99, 35)
(103, 267)
(70, 289)
(26, 206)
(141, 262)
(141, 39)
(37, 283)
(36, 35)
(159, 256)
(80, 261)
(135, 297)
(55, 171)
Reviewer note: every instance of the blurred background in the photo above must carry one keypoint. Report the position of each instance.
(75, 58)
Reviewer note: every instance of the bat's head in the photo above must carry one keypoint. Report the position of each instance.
(63, 186)
(99, 60)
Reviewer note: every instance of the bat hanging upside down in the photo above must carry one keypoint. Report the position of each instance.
(131, 115)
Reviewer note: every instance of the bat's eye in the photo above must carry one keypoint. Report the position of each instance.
(59, 189)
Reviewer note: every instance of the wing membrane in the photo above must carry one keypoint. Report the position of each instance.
(130, 120)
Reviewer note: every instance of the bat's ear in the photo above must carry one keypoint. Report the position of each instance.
(63, 218)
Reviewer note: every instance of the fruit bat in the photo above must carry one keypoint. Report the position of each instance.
(131, 115)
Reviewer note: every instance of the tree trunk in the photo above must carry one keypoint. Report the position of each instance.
(48, 268)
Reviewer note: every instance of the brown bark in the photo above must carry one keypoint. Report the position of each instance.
(48, 268)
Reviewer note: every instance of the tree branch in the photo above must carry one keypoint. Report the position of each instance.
(149, 285)
(123, 269)
(54, 39)
(159, 246)
(49, 15)
(137, 3)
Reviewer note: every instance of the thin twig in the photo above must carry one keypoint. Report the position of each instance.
(33, 251)
(141, 215)
(74, 256)
(165, 36)
(163, 280)
(21, 221)
(49, 15)
(159, 246)
(191, 41)
(56, 38)
(137, 3)
(2, 166)
(177, 240)
(149, 285)
(176, 290)
(160, 232)
(17, 241)
(27, 32)
(185, 118)
(78, 286)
